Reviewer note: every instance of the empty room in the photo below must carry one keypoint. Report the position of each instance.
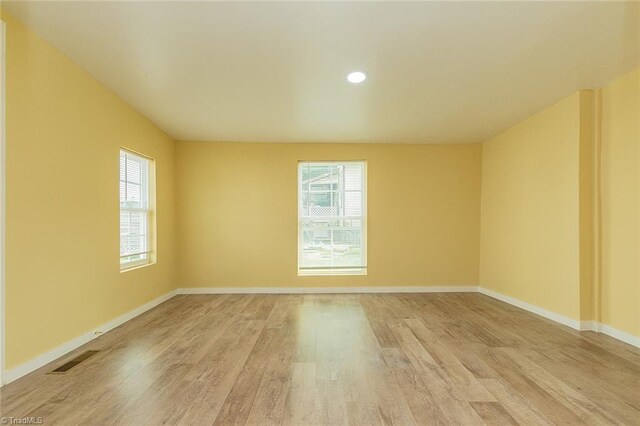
(319, 213)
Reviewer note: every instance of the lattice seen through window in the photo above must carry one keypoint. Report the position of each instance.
(136, 210)
(332, 218)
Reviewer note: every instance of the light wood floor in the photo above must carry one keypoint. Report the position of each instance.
(338, 359)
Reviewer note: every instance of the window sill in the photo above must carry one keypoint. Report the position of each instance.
(134, 267)
(331, 272)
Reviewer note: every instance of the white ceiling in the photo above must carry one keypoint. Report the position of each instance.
(439, 72)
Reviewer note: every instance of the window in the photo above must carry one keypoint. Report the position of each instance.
(136, 210)
(332, 218)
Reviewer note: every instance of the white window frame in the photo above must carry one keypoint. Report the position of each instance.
(319, 271)
(150, 215)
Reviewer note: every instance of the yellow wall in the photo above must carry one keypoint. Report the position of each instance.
(237, 222)
(64, 130)
(560, 216)
(586, 200)
(620, 292)
(530, 210)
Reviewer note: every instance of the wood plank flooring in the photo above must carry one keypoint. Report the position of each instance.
(372, 359)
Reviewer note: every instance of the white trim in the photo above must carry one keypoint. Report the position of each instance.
(3, 169)
(52, 355)
(362, 218)
(135, 264)
(324, 272)
(589, 325)
(617, 334)
(327, 290)
(575, 324)
(149, 212)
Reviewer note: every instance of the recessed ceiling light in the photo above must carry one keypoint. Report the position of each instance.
(357, 77)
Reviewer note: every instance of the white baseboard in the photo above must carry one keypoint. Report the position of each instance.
(575, 324)
(569, 322)
(618, 334)
(531, 308)
(52, 355)
(589, 325)
(599, 327)
(327, 290)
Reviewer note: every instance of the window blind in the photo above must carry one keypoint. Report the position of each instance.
(332, 217)
(135, 210)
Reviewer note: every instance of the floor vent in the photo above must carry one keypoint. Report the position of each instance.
(77, 360)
